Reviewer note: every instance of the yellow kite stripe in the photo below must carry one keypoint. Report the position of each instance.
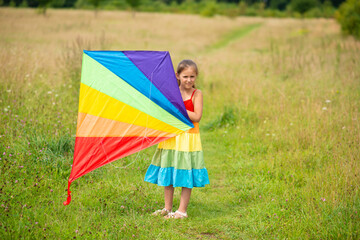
(92, 102)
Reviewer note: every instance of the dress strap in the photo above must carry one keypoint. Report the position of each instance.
(193, 94)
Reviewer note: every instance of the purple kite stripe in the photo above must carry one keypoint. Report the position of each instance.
(157, 67)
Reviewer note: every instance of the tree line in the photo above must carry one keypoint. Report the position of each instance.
(300, 6)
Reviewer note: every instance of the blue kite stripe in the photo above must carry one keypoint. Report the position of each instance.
(121, 66)
(157, 67)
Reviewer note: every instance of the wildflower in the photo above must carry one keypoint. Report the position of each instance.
(29, 154)
(51, 190)
(260, 196)
(76, 231)
(9, 90)
(343, 127)
(5, 109)
(272, 199)
(10, 155)
(49, 92)
(122, 206)
(286, 200)
(324, 108)
(4, 153)
(36, 222)
(328, 101)
(16, 181)
(21, 166)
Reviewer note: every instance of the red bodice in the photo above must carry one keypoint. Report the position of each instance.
(189, 104)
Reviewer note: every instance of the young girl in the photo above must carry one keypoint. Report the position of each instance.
(179, 161)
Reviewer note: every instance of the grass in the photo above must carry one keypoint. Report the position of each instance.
(234, 35)
(280, 129)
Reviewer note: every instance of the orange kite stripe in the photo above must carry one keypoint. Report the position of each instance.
(94, 126)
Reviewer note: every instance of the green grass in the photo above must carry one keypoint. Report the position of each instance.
(280, 133)
(234, 35)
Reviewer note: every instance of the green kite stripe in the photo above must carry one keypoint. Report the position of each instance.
(167, 158)
(96, 76)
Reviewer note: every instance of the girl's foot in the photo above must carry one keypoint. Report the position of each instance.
(161, 212)
(176, 215)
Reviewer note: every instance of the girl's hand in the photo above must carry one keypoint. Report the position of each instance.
(198, 107)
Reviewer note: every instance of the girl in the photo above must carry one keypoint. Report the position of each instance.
(179, 161)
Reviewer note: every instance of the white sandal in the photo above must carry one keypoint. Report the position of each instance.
(173, 215)
(161, 212)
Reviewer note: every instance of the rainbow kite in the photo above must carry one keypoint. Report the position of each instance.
(129, 100)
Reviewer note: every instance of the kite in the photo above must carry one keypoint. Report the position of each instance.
(129, 100)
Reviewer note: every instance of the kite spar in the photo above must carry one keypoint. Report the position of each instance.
(129, 100)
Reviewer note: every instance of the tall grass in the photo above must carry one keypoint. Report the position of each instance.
(280, 129)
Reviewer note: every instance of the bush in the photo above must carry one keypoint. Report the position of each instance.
(210, 10)
(314, 13)
(348, 16)
(227, 119)
(302, 6)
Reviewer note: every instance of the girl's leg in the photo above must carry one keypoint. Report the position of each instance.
(184, 200)
(169, 196)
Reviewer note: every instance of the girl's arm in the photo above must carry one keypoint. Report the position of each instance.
(198, 107)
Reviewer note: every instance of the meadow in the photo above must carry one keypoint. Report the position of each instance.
(280, 128)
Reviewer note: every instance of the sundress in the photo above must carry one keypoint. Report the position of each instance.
(179, 161)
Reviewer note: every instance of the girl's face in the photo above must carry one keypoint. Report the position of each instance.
(187, 77)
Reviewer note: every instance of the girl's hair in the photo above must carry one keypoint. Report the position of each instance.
(185, 64)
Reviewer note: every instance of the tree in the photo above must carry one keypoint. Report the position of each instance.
(134, 4)
(96, 4)
(43, 5)
(348, 16)
(278, 4)
(302, 6)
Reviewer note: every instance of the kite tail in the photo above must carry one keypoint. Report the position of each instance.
(68, 200)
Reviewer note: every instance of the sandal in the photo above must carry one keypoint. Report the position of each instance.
(176, 215)
(161, 212)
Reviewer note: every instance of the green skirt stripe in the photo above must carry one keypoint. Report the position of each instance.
(165, 158)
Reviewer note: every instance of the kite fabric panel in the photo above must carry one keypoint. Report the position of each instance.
(129, 100)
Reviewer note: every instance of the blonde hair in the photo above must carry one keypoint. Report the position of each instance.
(186, 63)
